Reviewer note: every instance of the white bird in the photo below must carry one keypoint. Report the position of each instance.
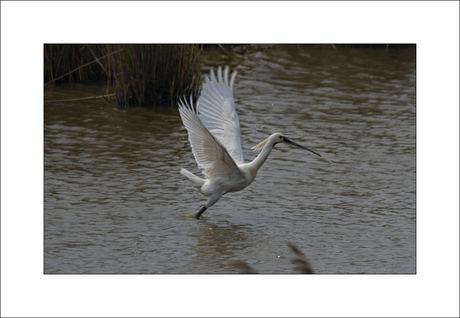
(214, 134)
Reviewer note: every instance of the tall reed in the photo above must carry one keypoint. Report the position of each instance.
(143, 74)
(138, 74)
(63, 62)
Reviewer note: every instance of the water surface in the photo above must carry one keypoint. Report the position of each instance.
(116, 203)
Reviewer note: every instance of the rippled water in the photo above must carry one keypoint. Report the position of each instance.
(116, 203)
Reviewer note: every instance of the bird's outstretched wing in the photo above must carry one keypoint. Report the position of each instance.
(217, 112)
(209, 153)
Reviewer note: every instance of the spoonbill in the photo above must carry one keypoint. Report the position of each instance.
(214, 134)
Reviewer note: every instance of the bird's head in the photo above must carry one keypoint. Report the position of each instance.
(278, 138)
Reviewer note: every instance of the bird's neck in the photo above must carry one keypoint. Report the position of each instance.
(263, 155)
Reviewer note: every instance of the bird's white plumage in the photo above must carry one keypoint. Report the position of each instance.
(214, 134)
(217, 112)
(209, 153)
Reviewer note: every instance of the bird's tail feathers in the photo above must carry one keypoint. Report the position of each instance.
(197, 182)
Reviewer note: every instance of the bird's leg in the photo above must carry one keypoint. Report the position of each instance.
(197, 216)
(211, 200)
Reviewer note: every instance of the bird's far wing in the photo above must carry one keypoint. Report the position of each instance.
(209, 153)
(217, 112)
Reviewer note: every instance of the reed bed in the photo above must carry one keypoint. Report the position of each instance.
(154, 74)
(73, 62)
(137, 74)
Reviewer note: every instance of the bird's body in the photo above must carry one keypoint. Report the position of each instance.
(214, 134)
